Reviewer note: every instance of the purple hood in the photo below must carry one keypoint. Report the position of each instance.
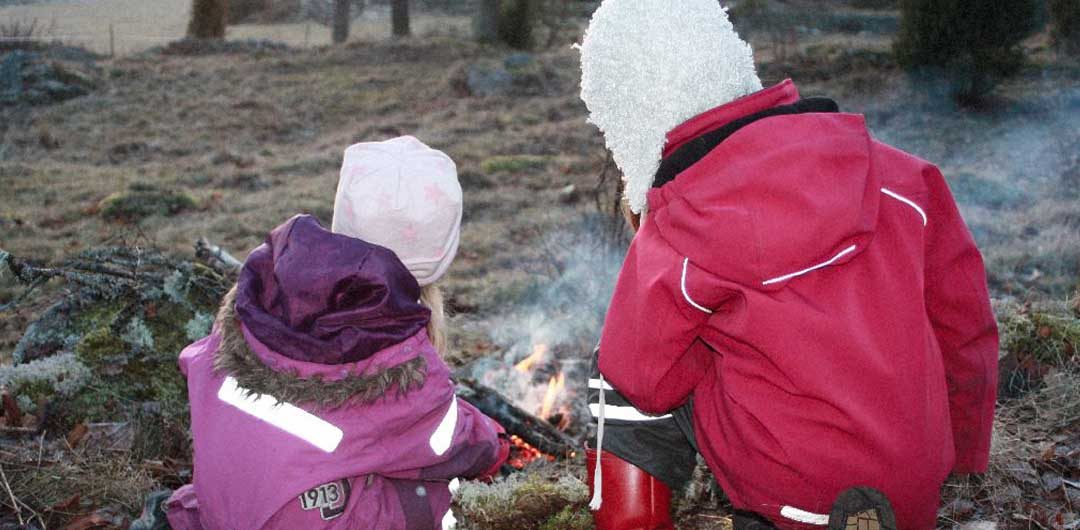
(319, 297)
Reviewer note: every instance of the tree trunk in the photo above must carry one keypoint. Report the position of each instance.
(486, 22)
(400, 16)
(208, 19)
(342, 18)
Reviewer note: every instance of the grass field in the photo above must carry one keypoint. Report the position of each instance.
(137, 25)
(254, 138)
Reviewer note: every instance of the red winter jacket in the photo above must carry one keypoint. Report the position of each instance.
(818, 294)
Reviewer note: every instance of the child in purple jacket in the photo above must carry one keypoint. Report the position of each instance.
(320, 400)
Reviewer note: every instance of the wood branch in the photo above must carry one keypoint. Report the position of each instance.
(216, 256)
(533, 430)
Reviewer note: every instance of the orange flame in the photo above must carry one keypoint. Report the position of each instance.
(538, 353)
(555, 387)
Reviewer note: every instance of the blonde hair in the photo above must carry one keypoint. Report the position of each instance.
(431, 296)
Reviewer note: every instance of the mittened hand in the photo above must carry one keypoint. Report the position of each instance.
(501, 455)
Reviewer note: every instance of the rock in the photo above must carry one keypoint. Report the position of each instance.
(153, 515)
(486, 80)
(27, 78)
(979, 525)
(569, 195)
(519, 74)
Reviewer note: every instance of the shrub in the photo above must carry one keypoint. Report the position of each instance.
(18, 34)
(1065, 15)
(142, 201)
(516, 21)
(969, 44)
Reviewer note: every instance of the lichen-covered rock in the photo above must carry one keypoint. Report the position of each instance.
(107, 351)
(27, 78)
(519, 74)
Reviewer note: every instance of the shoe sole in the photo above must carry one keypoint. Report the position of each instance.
(862, 509)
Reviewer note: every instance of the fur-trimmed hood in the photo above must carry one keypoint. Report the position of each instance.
(324, 318)
(319, 297)
(261, 371)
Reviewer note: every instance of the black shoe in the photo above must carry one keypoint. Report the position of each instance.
(862, 508)
(153, 516)
(750, 521)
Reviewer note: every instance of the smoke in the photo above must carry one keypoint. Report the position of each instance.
(1014, 170)
(557, 322)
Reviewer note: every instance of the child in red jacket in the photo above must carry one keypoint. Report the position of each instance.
(802, 304)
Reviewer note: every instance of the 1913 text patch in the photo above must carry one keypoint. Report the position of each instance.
(330, 499)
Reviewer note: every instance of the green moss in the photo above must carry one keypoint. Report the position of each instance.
(569, 519)
(513, 164)
(169, 328)
(99, 346)
(141, 201)
(1049, 338)
(522, 502)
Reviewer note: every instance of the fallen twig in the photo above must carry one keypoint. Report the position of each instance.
(216, 256)
(15, 502)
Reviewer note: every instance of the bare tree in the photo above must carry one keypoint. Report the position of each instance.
(342, 18)
(400, 17)
(486, 22)
(208, 19)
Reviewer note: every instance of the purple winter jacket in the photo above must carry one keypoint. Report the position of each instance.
(309, 305)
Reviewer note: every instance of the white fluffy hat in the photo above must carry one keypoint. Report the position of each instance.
(647, 66)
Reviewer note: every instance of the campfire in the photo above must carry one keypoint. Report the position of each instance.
(532, 405)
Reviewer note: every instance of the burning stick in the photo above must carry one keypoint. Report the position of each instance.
(536, 433)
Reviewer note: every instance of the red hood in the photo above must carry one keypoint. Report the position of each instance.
(773, 199)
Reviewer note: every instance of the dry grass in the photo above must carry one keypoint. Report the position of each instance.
(52, 483)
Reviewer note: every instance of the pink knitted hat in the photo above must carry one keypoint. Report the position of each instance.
(405, 196)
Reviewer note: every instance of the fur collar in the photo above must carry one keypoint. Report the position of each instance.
(234, 357)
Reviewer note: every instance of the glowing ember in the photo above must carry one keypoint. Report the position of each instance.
(526, 364)
(522, 454)
(555, 387)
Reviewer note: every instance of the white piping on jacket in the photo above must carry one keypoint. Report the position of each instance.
(624, 413)
(907, 201)
(834, 259)
(803, 516)
(598, 475)
(599, 384)
(444, 434)
(285, 416)
(686, 295)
